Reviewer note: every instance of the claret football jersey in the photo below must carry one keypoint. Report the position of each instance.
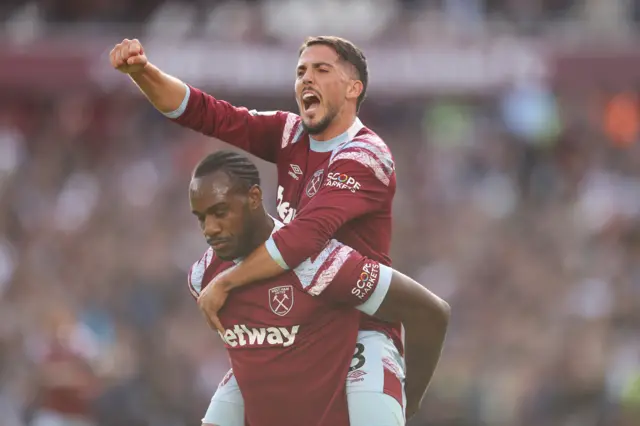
(290, 339)
(339, 189)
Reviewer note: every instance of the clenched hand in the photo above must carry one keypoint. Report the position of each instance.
(128, 56)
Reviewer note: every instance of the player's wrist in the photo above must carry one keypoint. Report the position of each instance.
(415, 390)
(143, 73)
(413, 406)
(226, 281)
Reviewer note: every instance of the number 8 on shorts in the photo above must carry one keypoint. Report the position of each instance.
(375, 382)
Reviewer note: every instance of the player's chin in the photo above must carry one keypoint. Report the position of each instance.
(314, 123)
(226, 253)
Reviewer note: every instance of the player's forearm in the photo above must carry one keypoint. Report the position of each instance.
(424, 340)
(306, 236)
(425, 318)
(331, 208)
(258, 266)
(165, 92)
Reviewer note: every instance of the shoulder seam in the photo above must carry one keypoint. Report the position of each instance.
(292, 130)
(371, 152)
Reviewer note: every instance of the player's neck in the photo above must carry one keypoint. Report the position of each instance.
(338, 126)
(263, 230)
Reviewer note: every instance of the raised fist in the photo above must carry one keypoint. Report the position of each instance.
(128, 57)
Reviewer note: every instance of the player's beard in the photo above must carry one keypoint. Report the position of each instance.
(323, 124)
(246, 241)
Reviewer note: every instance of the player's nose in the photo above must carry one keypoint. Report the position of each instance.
(212, 227)
(307, 77)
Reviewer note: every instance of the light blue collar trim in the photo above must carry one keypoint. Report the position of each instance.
(331, 144)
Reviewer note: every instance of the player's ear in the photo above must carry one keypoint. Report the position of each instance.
(354, 89)
(255, 197)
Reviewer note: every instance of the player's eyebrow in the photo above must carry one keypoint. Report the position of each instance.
(211, 209)
(315, 65)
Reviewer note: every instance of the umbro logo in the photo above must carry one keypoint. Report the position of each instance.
(295, 171)
(356, 376)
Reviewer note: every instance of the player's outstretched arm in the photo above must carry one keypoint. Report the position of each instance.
(261, 134)
(425, 318)
(165, 92)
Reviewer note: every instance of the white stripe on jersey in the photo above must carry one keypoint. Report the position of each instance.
(337, 259)
(370, 151)
(193, 291)
(196, 275)
(287, 132)
(308, 269)
(368, 160)
(381, 153)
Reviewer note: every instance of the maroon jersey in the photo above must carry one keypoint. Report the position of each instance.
(340, 189)
(291, 338)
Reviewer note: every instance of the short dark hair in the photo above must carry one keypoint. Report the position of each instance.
(348, 52)
(237, 166)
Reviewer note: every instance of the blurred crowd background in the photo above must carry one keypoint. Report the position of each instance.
(514, 125)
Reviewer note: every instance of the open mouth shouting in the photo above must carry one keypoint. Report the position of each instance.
(310, 102)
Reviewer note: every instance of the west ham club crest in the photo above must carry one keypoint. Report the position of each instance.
(315, 183)
(281, 299)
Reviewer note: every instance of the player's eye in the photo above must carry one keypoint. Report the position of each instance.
(221, 213)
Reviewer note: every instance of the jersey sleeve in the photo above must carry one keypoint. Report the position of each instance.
(341, 275)
(359, 180)
(262, 134)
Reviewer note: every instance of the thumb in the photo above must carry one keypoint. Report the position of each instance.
(137, 60)
(203, 295)
(210, 323)
(218, 325)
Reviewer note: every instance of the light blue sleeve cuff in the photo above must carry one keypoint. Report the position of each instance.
(372, 305)
(273, 250)
(183, 106)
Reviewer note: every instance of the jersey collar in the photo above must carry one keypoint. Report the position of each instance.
(331, 144)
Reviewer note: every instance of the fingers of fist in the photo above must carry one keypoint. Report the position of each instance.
(127, 55)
